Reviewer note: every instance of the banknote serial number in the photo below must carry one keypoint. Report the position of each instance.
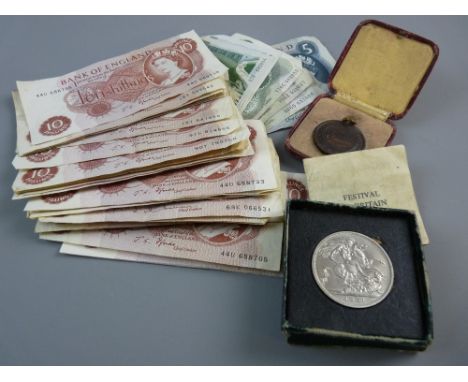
(244, 256)
(247, 207)
(54, 92)
(252, 182)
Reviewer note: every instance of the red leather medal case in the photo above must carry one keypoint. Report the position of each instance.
(375, 81)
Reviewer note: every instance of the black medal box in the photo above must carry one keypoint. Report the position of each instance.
(403, 320)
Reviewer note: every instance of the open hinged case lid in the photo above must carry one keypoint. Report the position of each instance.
(375, 80)
(382, 69)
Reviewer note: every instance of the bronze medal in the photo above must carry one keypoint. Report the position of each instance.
(334, 137)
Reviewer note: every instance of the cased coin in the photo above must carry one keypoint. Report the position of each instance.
(333, 137)
(352, 269)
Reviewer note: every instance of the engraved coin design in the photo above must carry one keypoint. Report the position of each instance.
(333, 137)
(352, 269)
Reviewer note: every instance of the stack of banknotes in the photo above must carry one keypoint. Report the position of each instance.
(273, 83)
(145, 157)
